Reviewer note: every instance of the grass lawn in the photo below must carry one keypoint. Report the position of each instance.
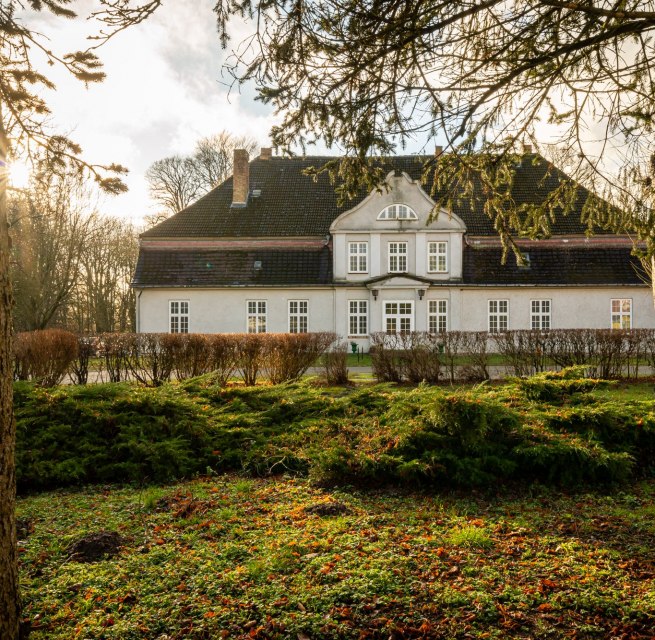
(235, 557)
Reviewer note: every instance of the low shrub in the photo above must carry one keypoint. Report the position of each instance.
(369, 436)
(335, 364)
(287, 356)
(249, 356)
(79, 368)
(149, 357)
(190, 354)
(222, 356)
(107, 433)
(555, 386)
(113, 348)
(44, 356)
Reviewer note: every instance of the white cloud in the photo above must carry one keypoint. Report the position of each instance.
(163, 92)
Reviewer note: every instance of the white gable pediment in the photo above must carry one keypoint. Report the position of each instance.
(398, 189)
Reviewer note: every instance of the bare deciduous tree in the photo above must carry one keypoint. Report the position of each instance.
(175, 182)
(214, 155)
(51, 227)
(103, 301)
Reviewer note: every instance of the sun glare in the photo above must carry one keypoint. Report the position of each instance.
(19, 174)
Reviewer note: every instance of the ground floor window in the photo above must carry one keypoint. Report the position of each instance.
(179, 316)
(357, 317)
(539, 315)
(498, 316)
(398, 317)
(298, 316)
(437, 316)
(256, 316)
(621, 313)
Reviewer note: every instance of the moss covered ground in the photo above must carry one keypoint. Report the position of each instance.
(237, 557)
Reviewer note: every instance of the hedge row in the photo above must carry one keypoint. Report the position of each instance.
(45, 357)
(463, 355)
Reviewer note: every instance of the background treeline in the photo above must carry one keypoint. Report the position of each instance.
(71, 265)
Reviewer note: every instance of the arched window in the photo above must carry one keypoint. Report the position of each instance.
(397, 212)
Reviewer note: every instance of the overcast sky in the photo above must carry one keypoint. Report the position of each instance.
(163, 92)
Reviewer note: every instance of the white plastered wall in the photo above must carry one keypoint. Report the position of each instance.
(224, 310)
(571, 308)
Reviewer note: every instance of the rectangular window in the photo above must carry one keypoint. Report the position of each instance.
(437, 257)
(357, 317)
(498, 316)
(398, 317)
(540, 315)
(256, 320)
(179, 316)
(298, 316)
(437, 316)
(358, 257)
(397, 257)
(621, 313)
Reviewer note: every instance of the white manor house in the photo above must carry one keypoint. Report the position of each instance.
(270, 250)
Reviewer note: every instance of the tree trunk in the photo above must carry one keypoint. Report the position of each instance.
(9, 603)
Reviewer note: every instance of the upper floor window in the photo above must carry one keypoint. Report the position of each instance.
(357, 257)
(621, 313)
(179, 316)
(397, 257)
(256, 316)
(397, 212)
(437, 257)
(298, 313)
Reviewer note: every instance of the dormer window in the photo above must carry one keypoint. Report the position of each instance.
(397, 212)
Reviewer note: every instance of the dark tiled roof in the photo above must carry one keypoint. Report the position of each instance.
(211, 268)
(283, 267)
(553, 266)
(292, 204)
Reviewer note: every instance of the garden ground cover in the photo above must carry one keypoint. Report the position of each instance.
(234, 557)
(555, 428)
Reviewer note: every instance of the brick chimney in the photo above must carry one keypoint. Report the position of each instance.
(266, 153)
(438, 150)
(241, 178)
(527, 148)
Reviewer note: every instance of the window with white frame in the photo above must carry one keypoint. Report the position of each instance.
(358, 257)
(437, 257)
(398, 317)
(256, 316)
(498, 316)
(397, 212)
(621, 313)
(540, 315)
(437, 316)
(397, 257)
(298, 316)
(179, 316)
(357, 317)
